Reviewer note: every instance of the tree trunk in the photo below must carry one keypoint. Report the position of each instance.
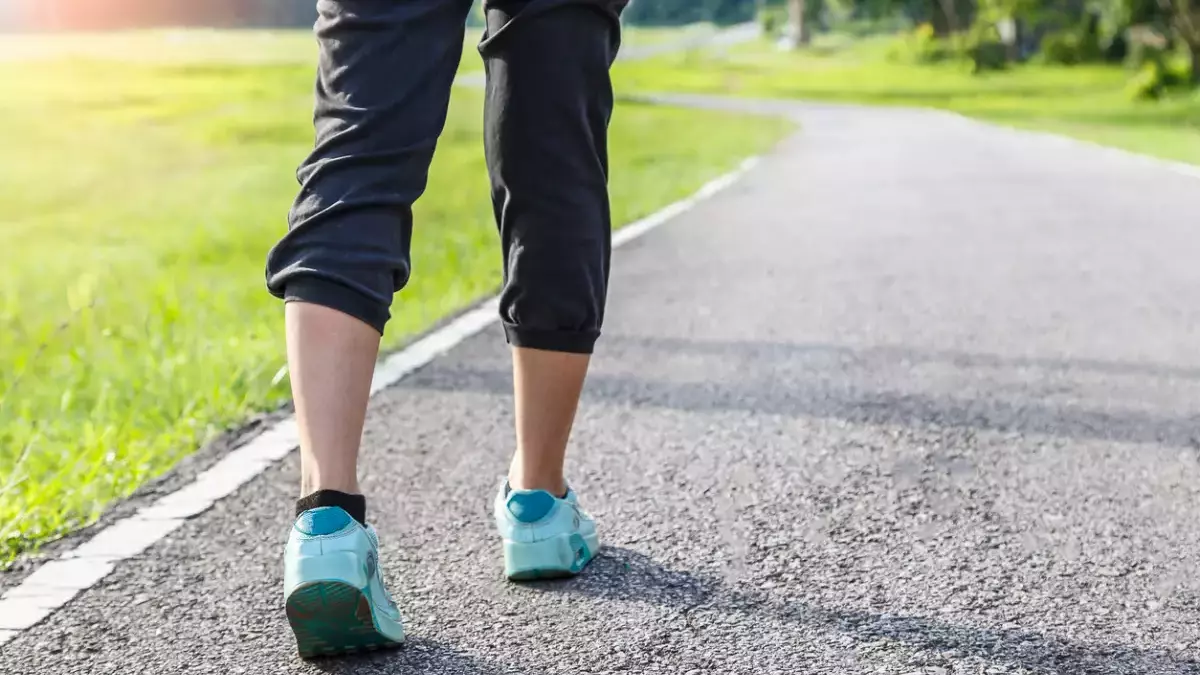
(1188, 26)
(945, 17)
(797, 33)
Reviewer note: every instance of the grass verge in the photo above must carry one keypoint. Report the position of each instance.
(140, 199)
(245, 47)
(1086, 102)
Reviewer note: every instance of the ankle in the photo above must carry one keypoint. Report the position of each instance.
(353, 504)
(555, 486)
(312, 481)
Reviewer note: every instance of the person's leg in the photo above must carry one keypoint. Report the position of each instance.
(546, 388)
(331, 357)
(549, 101)
(383, 85)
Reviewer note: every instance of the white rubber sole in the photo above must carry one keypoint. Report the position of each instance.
(558, 557)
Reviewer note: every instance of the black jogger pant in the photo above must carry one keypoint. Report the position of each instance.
(383, 85)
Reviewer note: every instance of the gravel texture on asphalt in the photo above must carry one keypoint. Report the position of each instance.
(918, 395)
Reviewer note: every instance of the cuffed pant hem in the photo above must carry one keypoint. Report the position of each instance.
(571, 342)
(319, 291)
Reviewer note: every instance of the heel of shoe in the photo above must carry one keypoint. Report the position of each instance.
(331, 618)
(328, 608)
(342, 566)
(554, 558)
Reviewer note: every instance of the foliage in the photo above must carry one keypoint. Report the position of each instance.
(989, 55)
(1072, 47)
(981, 47)
(1064, 32)
(679, 12)
(773, 18)
(1157, 77)
(1159, 68)
(923, 46)
(985, 46)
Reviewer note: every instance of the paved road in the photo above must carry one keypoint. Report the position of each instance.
(916, 396)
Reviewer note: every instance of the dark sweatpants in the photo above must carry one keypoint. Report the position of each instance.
(383, 85)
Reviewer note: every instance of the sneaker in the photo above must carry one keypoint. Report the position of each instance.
(333, 587)
(545, 537)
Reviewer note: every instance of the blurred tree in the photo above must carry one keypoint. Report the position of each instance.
(1183, 17)
(946, 16)
(679, 12)
(875, 9)
(728, 12)
(951, 16)
(798, 33)
(1178, 21)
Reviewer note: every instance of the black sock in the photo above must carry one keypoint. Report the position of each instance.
(355, 505)
(508, 491)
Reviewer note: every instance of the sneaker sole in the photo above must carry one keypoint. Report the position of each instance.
(333, 618)
(561, 557)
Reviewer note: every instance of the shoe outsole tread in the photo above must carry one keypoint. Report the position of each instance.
(541, 575)
(332, 618)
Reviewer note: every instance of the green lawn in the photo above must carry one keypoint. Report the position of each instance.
(184, 47)
(1087, 102)
(140, 197)
(638, 36)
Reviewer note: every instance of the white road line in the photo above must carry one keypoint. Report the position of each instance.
(56, 582)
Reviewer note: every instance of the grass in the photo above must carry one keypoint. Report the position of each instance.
(190, 46)
(141, 196)
(278, 47)
(1086, 102)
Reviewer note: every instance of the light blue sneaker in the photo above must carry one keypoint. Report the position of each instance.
(544, 537)
(333, 587)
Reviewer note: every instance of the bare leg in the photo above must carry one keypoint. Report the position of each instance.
(331, 357)
(547, 387)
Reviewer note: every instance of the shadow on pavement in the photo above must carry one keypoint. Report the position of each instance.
(793, 351)
(848, 383)
(624, 574)
(417, 656)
